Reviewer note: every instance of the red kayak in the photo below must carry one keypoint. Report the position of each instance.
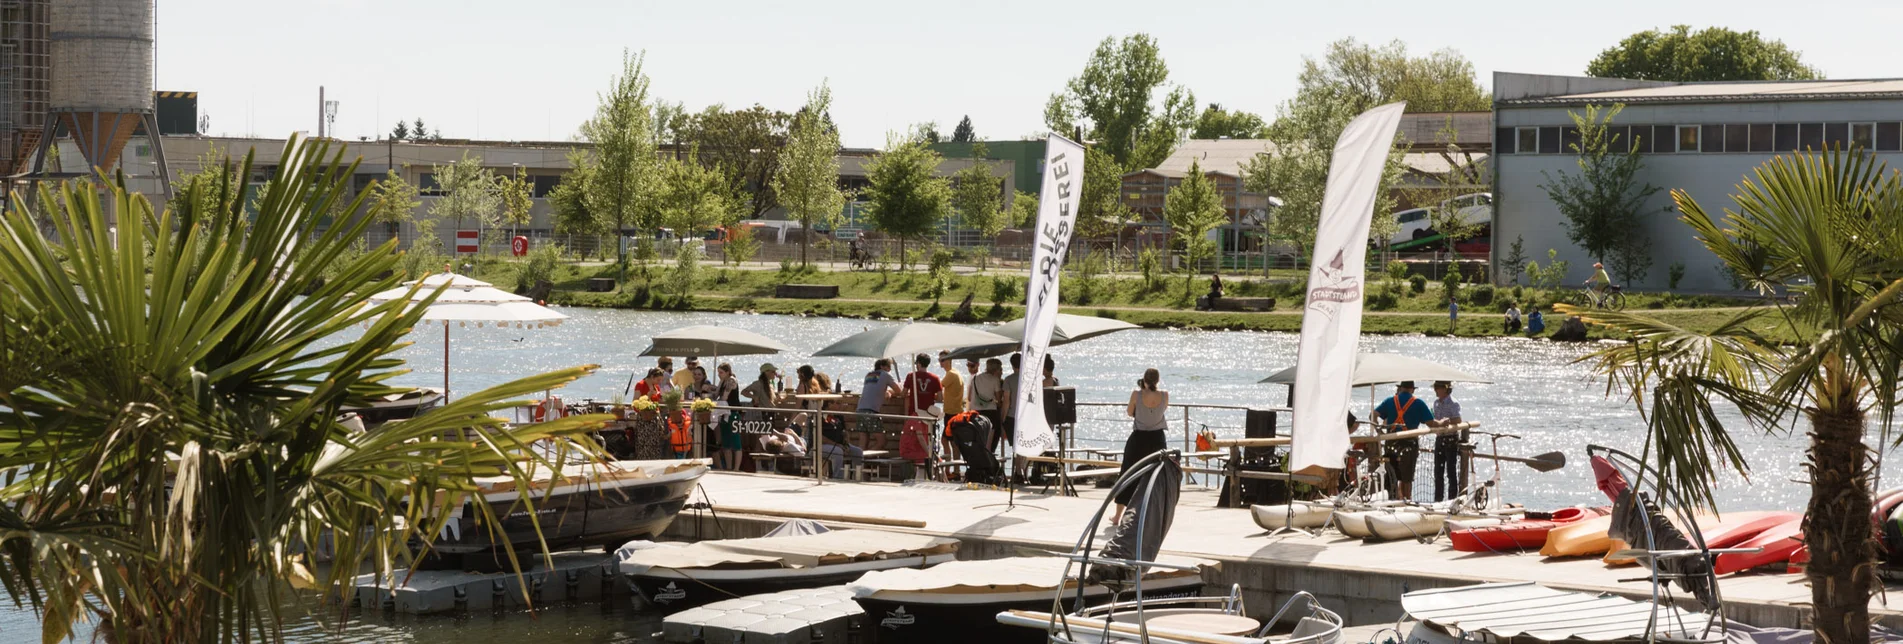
(1778, 542)
(1519, 535)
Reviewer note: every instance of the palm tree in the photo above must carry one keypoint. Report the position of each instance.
(169, 389)
(1827, 228)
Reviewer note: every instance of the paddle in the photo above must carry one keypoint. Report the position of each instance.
(1540, 463)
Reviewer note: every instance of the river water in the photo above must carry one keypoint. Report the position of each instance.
(1540, 393)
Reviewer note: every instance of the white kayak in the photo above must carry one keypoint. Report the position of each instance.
(1293, 515)
(1405, 524)
(1354, 523)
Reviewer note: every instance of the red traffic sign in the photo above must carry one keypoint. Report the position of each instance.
(519, 245)
(468, 241)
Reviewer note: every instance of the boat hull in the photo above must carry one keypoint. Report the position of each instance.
(959, 618)
(1516, 535)
(672, 591)
(605, 513)
(1295, 515)
(1777, 544)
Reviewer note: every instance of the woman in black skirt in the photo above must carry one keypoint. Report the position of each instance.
(1148, 407)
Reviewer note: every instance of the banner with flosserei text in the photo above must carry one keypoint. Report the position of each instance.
(1056, 223)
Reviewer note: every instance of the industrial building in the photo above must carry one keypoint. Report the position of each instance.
(1701, 138)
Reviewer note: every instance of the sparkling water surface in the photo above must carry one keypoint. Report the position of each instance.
(1539, 392)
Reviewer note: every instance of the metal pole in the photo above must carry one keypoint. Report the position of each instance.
(446, 361)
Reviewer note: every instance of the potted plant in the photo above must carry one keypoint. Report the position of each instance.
(644, 408)
(703, 411)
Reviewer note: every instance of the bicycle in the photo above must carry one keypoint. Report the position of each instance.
(1612, 299)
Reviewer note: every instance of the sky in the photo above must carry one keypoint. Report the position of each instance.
(523, 70)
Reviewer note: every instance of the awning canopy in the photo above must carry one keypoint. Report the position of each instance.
(1384, 368)
(1527, 609)
(804, 551)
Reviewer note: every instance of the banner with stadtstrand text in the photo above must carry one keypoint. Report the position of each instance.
(1331, 317)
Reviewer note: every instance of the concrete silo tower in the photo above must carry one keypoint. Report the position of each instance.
(101, 90)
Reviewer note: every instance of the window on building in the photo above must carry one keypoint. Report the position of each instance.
(1569, 140)
(544, 184)
(1887, 136)
(1687, 138)
(1665, 139)
(1503, 141)
(1836, 135)
(426, 184)
(1863, 136)
(1641, 139)
(1529, 140)
(1549, 140)
(1786, 139)
(1761, 137)
(1810, 136)
(1618, 137)
(1711, 138)
(1737, 137)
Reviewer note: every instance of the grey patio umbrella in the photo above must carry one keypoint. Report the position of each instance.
(703, 340)
(1383, 368)
(1069, 328)
(907, 339)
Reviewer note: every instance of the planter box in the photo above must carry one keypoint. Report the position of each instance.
(806, 291)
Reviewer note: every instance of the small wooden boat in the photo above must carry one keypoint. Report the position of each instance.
(590, 504)
(675, 579)
(1583, 537)
(1300, 514)
(958, 601)
(1515, 535)
(398, 406)
(1777, 544)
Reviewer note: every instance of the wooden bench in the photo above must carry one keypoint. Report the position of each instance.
(806, 291)
(1236, 304)
(601, 285)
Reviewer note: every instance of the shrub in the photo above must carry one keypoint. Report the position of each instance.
(742, 247)
(1417, 284)
(1381, 300)
(1150, 264)
(1481, 295)
(540, 267)
(1004, 290)
(680, 278)
(1673, 274)
(1396, 270)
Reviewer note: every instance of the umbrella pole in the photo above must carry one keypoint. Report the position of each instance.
(445, 361)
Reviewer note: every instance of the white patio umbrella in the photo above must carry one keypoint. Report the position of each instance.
(907, 339)
(468, 300)
(716, 341)
(1383, 368)
(1069, 328)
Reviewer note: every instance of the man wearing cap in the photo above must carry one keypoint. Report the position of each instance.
(1402, 412)
(1446, 446)
(683, 380)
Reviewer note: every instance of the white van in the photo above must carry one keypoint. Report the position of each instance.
(1417, 223)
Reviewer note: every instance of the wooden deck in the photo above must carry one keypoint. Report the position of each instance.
(1362, 580)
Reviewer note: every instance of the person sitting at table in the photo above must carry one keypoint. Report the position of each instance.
(699, 387)
(832, 443)
(812, 382)
(684, 379)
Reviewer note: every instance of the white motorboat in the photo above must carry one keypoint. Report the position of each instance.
(588, 504)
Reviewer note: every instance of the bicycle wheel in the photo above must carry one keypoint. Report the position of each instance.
(1615, 301)
(1581, 298)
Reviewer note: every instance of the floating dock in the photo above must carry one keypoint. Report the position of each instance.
(585, 576)
(1361, 581)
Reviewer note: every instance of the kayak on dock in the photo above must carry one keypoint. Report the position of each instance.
(1776, 544)
(1524, 534)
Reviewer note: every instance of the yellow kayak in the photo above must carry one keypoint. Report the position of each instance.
(1586, 537)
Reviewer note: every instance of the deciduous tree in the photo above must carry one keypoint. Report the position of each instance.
(977, 196)
(623, 166)
(694, 198)
(1216, 123)
(1604, 201)
(1709, 54)
(1100, 209)
(745, 144)
(904, 198)
(1193, 208)
(1114, 101)
(467, 191)
(807, 181)
(518, 199)
(1358, 77)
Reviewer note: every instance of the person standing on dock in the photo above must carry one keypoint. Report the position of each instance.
(1402, 412)
(879, 385)
(1010, 427)
(954, 384)
(684, 379)
(987, 392)
(1447, 483)
(923, 396)
(1148, 410)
